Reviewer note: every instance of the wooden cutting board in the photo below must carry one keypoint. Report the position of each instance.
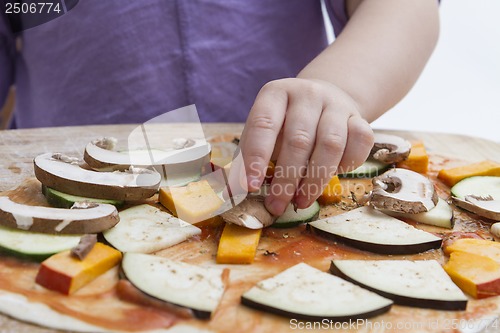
(19, 147)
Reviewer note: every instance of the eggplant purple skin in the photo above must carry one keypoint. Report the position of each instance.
(404, 300)
(378, 248)
(270, 309)
(198, 314)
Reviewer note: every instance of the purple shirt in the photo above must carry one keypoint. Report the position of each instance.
(126, 61)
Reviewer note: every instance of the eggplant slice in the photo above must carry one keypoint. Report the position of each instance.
(420, 283)
(368, 229)
(147, 229)
(304, 292)
(194, 287)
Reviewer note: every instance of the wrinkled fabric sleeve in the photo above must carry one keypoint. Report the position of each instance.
(337, 13)
(7, 56)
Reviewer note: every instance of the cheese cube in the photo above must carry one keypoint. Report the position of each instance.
(418, 160)
(238, 244)
(66, 274)
(476, 275)
(485, 168)
(193, 203)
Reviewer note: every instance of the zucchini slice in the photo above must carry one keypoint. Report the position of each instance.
(194, 287)
(420, 283)
(370, 168)
(34, 246)
(304, 292)
(481, 186)
(146, 229)
(440, 216)
(63, 200)
(290, 218)
(368, 229)
(480, 195)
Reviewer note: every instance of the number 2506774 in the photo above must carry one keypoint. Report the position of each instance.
(32, 7)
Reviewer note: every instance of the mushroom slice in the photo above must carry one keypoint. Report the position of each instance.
(86, 244)
(82, 219)
(495, 229)
(250, 213)
(390, 148)
(135, 184)
(482, 206)
(99, 154)
(403, 191)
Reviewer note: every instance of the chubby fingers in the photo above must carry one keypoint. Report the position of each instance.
(343, 143)
(261, 131)
(295, 148)
(327, 154)
(358, 146)
(313, 128)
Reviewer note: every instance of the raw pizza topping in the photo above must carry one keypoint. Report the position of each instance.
(146, 239)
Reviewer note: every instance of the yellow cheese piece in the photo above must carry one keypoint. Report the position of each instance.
(418, 160)
(485, 168)
(332, 192)
(237, 244)
(480, 247)
(476, 275)
(66, 274)
(193, 203)
(222, 153)
(212, 222)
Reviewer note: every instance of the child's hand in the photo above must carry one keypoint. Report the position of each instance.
(313, 129)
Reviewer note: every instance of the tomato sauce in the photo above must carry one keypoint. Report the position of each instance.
(90, 304)
(98, 303)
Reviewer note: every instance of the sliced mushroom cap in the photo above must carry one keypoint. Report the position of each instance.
(482, 206)
(250, 213)
(99, 155)
(134, 184)
(85, 219)
(403, 191)
(390, 148)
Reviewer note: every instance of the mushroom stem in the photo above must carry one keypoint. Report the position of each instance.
(84, 247)
(250, 213)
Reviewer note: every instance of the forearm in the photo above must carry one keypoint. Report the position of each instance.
(380, 53)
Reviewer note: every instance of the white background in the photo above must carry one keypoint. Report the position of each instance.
(459, 90)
